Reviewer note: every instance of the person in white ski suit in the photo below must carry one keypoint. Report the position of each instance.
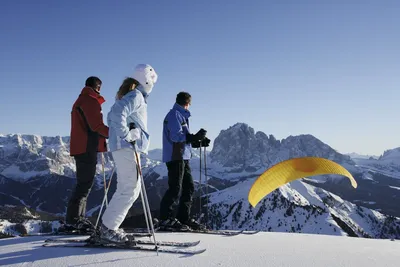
(130, 108)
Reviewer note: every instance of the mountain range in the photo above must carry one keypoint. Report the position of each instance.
(38, 173)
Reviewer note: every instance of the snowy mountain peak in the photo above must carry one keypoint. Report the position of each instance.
(240, 149)
(309, 145)
(391, 155)
(31, 140)
(26, 156)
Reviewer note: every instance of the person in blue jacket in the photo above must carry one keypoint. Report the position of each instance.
(177, 145)
(127, 122)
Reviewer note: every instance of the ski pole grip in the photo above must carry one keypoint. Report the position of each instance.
(132, 126)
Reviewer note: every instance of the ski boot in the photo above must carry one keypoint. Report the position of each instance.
(194, 225)
(81, 226)
(172, 225)
(114, 236)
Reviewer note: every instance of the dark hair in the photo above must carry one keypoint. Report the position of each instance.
(183, 98)
(93, 81)
(126, 87)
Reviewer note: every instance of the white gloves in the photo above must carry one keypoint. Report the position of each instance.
(133, 135)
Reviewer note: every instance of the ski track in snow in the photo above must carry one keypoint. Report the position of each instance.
(262, 249)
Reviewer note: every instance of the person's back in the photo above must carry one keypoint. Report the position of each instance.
(177, 143)
(88, 137)
(132, 101)
(175, 129)
(88, 132)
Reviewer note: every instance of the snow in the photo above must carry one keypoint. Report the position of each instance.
(391, 156)
(381, 169)
(155, 154)
(273, 249)
(363, 201)
(355, 155)
(388, 164)
(17, 174)
(294, 207)
(32, 226)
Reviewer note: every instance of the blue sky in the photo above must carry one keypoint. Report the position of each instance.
(326, 68)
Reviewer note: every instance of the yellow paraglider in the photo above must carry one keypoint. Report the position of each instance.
(292, 169)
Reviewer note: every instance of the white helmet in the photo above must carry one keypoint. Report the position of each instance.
(146, 76)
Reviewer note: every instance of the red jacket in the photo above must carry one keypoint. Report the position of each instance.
(88, 132)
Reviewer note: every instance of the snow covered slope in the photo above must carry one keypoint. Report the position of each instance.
(262, 249)
(387, 164)
(298, 207)
(355, 155)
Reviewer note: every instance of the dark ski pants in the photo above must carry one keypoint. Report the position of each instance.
(85, 172)
(180, 180)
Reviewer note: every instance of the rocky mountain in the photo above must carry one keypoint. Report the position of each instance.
(33, 168)
(26, 156)
(240, 151)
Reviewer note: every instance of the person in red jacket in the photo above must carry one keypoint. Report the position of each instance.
(88, 137)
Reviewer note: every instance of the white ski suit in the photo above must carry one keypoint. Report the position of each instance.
(132, 108)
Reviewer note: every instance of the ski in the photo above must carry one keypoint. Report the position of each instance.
(217, 232)
(140, 242)
(59, 233)
(211, 232)
(144, 233)
(73, 233)
(250, 232)
(127, 247)
(225, 232)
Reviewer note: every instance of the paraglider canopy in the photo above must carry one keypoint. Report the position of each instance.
(292, 169)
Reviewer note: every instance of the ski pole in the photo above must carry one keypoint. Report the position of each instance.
(104, 176)
(105, 197)
(200, 189)
(138, 170)
(205, 175)
(145, 197)
(144, 206)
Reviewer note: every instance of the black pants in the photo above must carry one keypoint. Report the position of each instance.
(85, 172)
(180, 180)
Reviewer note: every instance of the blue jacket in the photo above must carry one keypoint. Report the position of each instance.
(175, 128)
(130, 108)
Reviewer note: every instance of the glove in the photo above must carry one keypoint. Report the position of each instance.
(132, 136)
(132, 126)
(199, 136)
(204, 143)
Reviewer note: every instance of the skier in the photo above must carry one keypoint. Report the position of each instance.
(177, 143)
(127, 120)
(88, 137)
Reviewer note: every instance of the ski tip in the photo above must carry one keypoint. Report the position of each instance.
(200, 251)
(251, 232)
